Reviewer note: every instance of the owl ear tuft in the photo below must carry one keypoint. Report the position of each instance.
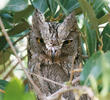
(68, 24)
(38, 20)
(70, 19)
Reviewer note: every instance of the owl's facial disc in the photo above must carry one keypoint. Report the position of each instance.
(53, 52)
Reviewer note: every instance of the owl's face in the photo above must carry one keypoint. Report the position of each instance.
(54, 40)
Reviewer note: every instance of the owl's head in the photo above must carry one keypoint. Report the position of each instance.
(55, 40)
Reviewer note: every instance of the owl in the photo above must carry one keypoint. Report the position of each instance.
(51, 47)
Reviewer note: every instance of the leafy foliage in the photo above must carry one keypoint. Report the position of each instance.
(95, 44)
(3, 84)
(97, 69)
(15, 91)
(106, 38)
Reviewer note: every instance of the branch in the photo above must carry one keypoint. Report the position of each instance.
(75, 80)
(39, 93)
(78, 89)
(46, 79)
(58, 95)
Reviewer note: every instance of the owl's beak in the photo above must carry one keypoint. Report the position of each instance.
(53, 54)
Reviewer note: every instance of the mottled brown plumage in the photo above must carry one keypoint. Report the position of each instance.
(51, 49)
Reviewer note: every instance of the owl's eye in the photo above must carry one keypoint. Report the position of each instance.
(67, 41)
(39, 40)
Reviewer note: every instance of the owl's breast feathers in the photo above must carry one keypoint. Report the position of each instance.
(49, 60)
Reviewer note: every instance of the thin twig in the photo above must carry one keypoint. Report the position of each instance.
(48, 80)
(20, 38)
(10, 71)
(85, 56)
(39, 93)
(75, 80)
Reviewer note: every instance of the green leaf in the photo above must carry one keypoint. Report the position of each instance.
(104, 19)
(91, 68)
(4, 52)
(107, 3)
(29, 96)
(7, 20)
(105, 64)
(1, 96)
(40, 4)
(6, 16)
(106, 37)
(98, 67)
(62, 7)
(90, 38)
(98, 7)
(19, 28)
(70, 5)
(100, 14)
(18, 16)
(4, 56)
(77, 9)
(15, 91)
(3, 84)
(66, 6)
(15, 5)
(20, 35)
(3, 42)
(7, 24)
(52, 6)
(88, 10)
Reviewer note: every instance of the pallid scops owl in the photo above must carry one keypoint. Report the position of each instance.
(51, 48)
